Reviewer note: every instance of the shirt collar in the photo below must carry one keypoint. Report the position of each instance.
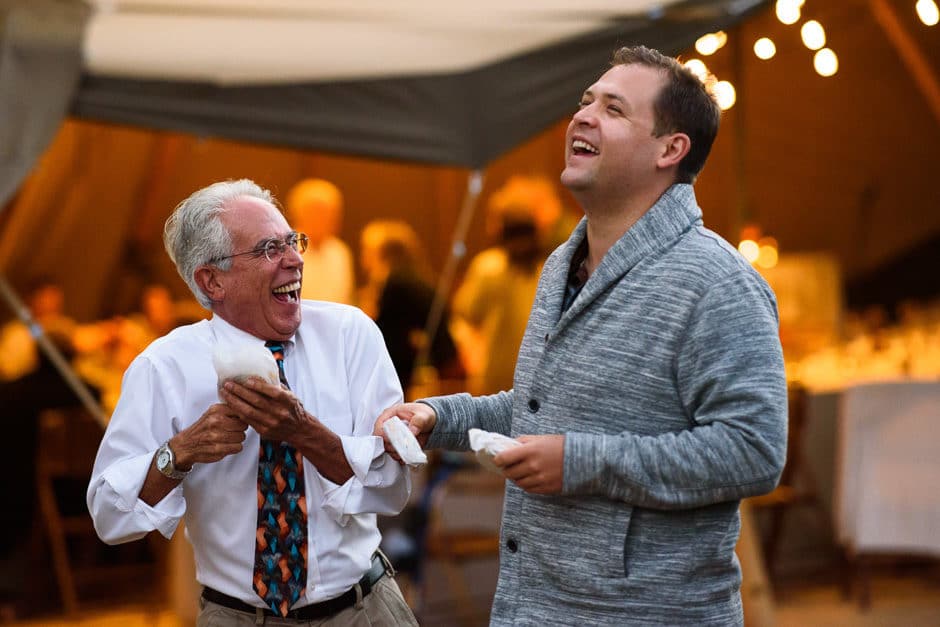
(230, 334)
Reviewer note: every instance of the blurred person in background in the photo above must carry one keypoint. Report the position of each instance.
(492, 304)
(29, 384)
(19, 353)
(315, 207)
(107, 347)
(539, 196)
(398, 295)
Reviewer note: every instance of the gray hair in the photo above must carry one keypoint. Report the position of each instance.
(194, 235)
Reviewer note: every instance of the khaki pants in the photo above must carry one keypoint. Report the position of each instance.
(383, 607)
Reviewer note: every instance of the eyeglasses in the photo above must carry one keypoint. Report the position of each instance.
(273, 249)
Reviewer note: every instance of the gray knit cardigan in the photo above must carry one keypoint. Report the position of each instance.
(666, 377)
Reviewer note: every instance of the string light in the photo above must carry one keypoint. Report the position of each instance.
(697, 67)
(826, 62)
(750, 249)
(767, 254)
(724, 94)
(814, 37)
(759, 249)
(927, 12)
(710, 43)
(764, 48)
(788, 11)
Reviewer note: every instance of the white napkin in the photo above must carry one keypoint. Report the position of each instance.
(404, 442)
(244, 360)
(488, 445)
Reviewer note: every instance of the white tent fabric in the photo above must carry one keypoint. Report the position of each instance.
(243, 42)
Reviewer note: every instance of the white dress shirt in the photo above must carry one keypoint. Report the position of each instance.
(339, 368)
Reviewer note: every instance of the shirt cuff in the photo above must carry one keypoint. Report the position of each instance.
(126, 480)
(361, 452)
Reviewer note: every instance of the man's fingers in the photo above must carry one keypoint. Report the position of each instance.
(387, 413)
(257, 385)
(510, 456)
(247, 392)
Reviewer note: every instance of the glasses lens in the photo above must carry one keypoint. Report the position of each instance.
(273, 250)
(300, 242)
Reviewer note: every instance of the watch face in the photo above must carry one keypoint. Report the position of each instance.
(163, 459)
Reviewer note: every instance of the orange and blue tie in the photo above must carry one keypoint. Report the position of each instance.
(280, 573)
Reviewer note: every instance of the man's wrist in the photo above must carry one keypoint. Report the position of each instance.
(167, 463)
(180, 454)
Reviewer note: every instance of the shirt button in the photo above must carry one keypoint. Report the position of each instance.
(533, 405)
(512, 545)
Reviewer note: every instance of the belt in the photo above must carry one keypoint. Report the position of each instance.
(380, 567)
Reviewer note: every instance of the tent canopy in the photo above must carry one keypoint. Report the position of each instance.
(449, 83)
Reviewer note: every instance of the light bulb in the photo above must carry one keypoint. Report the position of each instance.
(813, 34)
(749, 249)
(826, 62)
(788, 11)
(927, 12)
(724, 94)
(764, 48)
(698, 68)
(710, 43)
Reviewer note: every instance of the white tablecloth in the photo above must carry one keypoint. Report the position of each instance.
(887, 489)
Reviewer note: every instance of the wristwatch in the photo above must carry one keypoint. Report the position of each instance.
(166, 462)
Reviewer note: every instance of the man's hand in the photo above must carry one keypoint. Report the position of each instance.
(419, 417)
(219, 432)
(537, 466)
(272, 410)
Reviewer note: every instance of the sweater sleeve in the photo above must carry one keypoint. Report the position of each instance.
(458, 413)
(730, 379)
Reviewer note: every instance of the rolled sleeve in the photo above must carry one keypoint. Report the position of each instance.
(379, 485)
(119, 515)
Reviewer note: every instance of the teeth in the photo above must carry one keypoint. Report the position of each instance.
(580, 144)
(290, 287)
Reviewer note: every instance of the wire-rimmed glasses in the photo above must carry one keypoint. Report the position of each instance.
(273, 249)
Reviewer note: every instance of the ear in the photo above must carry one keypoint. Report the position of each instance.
(675, 147)
(207, 278)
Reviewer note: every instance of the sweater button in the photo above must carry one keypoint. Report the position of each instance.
(512, 545)
(533, 405)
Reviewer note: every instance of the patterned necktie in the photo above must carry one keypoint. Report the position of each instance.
(280, 574)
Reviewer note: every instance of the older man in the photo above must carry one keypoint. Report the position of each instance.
(649, 393)
(279, 486)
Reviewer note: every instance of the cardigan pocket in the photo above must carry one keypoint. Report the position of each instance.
(620, 536)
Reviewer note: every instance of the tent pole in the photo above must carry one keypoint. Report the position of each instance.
(53, 353)
(917, 64)
(458, 249)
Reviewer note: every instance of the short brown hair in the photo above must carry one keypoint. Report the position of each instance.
(683, 105)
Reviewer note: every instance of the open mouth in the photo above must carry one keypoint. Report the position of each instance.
(289, 293)
(581, 147)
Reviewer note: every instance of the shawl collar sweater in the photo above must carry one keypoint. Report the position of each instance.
(666, 377)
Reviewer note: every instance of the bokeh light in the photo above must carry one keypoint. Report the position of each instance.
(826, 62)
(765, 48)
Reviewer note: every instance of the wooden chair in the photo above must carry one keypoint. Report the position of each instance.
(798, 487)
(68, 442)
(463, 539)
